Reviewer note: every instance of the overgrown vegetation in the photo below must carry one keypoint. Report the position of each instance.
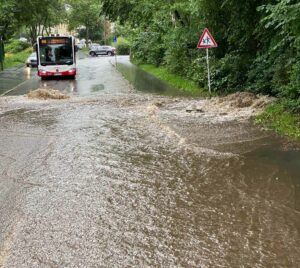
(172, 79)
(16, 52)
(277, 118)
(15, 46)
(16, 59)
(258, 42)
(122, 46)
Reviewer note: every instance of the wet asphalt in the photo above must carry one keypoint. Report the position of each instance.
(113, 177)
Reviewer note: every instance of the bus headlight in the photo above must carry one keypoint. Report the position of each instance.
(72, 71)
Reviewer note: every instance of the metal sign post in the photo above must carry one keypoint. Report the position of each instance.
(208, 72)
(2, 54)
(115, 40)
(207, 41)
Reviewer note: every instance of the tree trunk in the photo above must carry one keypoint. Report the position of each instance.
(87, 36)
(33, 34)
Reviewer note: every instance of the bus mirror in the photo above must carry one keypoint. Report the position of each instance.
(34, 46)
(76, 48)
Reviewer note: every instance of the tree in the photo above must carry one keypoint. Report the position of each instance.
(86, 15)
(39, 18)
(8, 22)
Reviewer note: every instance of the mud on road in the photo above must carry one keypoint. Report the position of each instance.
(118, 178)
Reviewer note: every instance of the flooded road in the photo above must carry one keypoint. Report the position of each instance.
(113, 177)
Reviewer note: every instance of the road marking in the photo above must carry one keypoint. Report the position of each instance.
(12, 89)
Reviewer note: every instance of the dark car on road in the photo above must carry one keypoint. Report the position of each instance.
(31, 60)
(102, 50)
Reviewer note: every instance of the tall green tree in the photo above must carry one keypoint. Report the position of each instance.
(39, 18)
(8, 21)
(87, 14)
(36, 17)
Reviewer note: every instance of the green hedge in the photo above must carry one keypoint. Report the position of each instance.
(123, 49)
(15, 46)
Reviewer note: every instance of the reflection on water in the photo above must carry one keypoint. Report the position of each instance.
(146, 82)
(28, 73)
(277, 172)
(96, 88)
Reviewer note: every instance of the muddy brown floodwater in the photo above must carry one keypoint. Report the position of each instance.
(119, 178)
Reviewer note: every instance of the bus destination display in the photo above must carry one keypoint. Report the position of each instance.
(54, 41)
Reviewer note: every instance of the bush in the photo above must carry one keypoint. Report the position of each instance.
(292, 90)
(122, 46)
(123, 49)
(15, 46)
(148, 47)
(16, 59)
(177, 56)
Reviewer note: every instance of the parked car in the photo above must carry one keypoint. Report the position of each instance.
(23, 39)
(31, 60)
(102, 50)
(92, 45)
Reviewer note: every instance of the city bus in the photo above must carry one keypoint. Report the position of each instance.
(56, 56)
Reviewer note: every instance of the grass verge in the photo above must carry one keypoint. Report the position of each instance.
(283, 122)
(173, 80)
(16, 59)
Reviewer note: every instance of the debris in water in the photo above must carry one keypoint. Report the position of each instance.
(191, 109)
(199, 110)
(159, 104)
(246, 99)
(45, 94)
(239, 99)
(238, 105)
(195, 109)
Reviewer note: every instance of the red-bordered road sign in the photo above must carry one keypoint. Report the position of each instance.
(206, 40)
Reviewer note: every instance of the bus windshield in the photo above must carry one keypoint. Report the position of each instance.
(57, 51)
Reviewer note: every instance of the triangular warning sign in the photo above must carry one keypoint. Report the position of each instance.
(206, 40)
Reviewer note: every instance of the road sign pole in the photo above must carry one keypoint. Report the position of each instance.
(115, 40)
(2, 54)
(208, 71)
(207, 41)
